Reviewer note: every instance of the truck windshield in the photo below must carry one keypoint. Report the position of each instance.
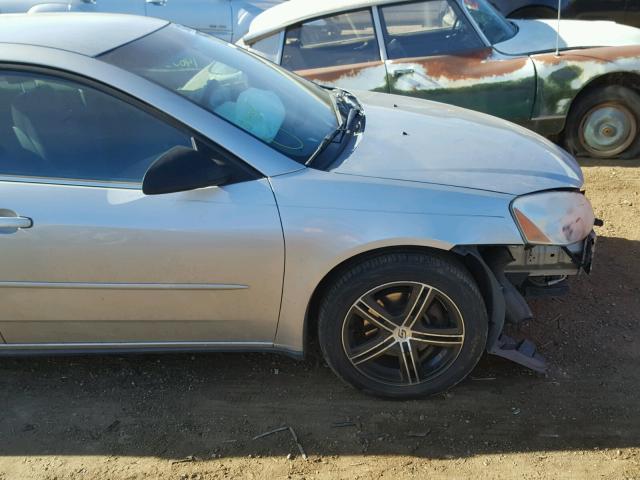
(494, 26)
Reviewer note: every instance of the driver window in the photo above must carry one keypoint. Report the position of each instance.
(56, 128)
(421, 29)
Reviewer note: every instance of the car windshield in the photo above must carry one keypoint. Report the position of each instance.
(494, 26)
(288, 113)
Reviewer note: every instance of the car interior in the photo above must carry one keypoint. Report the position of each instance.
(410, 31)
(329, 41)
(55, 128)
(14, 158)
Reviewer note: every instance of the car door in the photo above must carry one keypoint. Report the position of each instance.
(209, 16)
(339, 50)
(88, 258)
(434, 52)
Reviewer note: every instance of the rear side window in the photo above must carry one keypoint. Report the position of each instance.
(344, 39)
(420, 29)
(57, 128)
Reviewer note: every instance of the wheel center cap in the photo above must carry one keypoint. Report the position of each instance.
(402, 334)
(609, 131)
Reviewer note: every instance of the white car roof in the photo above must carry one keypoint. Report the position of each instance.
(85, 33)
(295, 11)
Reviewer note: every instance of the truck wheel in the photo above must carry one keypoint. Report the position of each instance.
(604, 124)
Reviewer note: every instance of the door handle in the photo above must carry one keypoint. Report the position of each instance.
(15, 223)
(158, 3)
(403, 71)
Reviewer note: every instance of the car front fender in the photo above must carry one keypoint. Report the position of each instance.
(330, 218)
(561, 78)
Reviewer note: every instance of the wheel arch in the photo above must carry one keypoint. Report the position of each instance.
(630, 80)
(473, 263)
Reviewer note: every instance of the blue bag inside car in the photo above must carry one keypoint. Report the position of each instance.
(260, 112)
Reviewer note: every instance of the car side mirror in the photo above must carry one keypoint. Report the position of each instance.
(182, 169)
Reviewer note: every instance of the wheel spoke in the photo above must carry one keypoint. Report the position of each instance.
(423, 297)
(371, 311)
(409, 361)
(372, 349)
(444, 337)
(403, 333)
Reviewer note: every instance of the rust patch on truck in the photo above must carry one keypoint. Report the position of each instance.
(361, 76)
(560, 78)
(596, 54)
(477, 65)
(482, 80)
(332, 75)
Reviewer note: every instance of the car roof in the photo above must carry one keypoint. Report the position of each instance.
(85, 33)
(295, 11)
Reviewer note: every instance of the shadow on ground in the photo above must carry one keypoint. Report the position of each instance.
(614, 162)
(174, 406)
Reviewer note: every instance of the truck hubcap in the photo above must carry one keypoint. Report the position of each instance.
(607, 130)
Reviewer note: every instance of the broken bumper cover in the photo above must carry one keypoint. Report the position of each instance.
(549, 260)
(506, 301)
(584, 260)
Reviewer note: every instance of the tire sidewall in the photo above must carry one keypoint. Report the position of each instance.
(452, 281)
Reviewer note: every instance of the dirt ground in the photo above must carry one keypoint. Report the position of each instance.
(194, 416)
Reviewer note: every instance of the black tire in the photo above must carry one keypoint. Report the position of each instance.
(534, 12)
(455, 300)
(623, 100)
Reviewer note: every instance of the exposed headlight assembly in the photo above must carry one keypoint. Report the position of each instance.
(553, 218)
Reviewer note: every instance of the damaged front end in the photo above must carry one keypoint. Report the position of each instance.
(540, 267)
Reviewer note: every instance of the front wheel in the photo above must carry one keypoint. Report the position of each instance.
(403, 325)
(604, 124)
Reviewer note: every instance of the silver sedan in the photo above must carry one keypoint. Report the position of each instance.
(163, 190)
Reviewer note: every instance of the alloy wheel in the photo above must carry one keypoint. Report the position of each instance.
(403, 333)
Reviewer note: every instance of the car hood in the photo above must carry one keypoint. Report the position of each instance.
(421, 141)
(540, 36)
